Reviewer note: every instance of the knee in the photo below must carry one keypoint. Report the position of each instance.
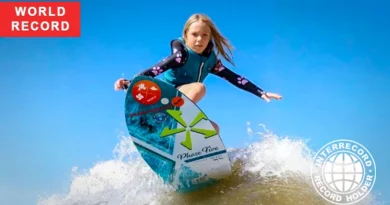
(200, 89)
(194, 91)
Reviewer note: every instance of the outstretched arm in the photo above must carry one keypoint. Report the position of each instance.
(237, 80)
(177, 59)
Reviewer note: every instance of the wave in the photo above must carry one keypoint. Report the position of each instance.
(269, 170)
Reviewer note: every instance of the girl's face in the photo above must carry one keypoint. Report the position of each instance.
(198, 36)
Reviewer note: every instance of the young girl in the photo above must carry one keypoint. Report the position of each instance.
(193, 58)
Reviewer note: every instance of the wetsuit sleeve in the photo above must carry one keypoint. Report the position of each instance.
(177, 59)
(239, 81)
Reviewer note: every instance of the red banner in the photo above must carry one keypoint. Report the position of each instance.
(40, 19)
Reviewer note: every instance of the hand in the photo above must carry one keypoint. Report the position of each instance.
(120, 84)
(267, 96)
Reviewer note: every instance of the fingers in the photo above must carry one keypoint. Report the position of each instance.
(274, 96)
(278, 97)
(267, 96)
(116, 86)
(119, 84)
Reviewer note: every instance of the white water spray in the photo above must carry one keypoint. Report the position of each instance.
(127, 179)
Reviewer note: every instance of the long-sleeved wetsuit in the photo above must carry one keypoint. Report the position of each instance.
(178, 58)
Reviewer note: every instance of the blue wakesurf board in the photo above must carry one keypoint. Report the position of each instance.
(174, 136)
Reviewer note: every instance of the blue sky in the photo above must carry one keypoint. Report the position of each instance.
(329, 60)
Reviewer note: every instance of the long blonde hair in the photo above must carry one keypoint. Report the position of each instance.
(219, 40)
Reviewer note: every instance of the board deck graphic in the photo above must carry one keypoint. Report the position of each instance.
(173, 136)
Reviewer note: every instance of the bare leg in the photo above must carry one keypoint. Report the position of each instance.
(195, 92)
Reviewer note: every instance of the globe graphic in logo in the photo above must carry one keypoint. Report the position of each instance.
(160, 117)
(343, 172)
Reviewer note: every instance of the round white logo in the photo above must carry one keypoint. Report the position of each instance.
(343, 172)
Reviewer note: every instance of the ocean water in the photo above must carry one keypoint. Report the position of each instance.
(271, 170)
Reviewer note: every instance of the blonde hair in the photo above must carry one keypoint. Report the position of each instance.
(219, 41)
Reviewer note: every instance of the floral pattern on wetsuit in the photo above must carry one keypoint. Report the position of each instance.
(239, 81)
(157, 70)
(177, 59)
(242, 80)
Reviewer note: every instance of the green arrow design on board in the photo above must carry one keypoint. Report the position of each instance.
(205, 132)
(177, 115)
(198, 118)
(166, 131)
(187, 143)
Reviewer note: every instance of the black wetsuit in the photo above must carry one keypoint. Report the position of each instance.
(219, 69)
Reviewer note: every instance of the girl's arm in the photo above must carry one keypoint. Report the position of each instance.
(177, 59)
(237, 80)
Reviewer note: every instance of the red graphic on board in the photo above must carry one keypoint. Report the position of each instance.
(177, 101)
(146, 92)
